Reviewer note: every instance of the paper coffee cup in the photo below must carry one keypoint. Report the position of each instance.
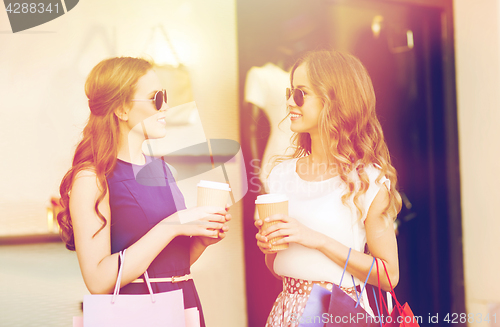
(212, 194)
(268, 205)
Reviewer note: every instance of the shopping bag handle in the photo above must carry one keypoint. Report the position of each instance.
(382, 301)
(358, 296)
(376, 306)
(345, 267)
(116, 291)
(398, 306)
(119, 278)
(364, 285)
(392, 289)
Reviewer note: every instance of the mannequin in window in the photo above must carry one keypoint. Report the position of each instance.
(265, 92)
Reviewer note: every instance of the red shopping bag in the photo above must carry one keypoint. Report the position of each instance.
(404, 315)
(401, 316)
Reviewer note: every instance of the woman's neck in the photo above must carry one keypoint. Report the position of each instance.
(130, 148)
(318, 154)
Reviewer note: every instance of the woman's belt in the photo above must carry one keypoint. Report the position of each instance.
(173, 279)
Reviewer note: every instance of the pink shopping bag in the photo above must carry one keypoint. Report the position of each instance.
(191, 316)
(131, 310)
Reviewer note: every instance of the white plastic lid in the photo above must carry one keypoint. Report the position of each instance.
(271, 198)
(214, 185)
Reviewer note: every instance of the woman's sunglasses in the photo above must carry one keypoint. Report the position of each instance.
(158, 99)
(298, 96)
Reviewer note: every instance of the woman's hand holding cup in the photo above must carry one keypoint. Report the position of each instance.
(268, 205)
(214, 194)
(262, 241)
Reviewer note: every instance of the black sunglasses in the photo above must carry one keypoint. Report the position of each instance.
(158, 99)
(298, 96)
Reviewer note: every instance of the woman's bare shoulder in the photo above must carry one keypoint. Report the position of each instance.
(86, 172)
(86, 182)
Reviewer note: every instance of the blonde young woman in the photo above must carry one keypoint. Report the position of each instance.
(117, 198)
(340, 184)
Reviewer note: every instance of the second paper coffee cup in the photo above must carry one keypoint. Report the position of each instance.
(213, 194)
(268, 205)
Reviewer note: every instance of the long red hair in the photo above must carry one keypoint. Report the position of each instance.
(349, 129)
(109, 86)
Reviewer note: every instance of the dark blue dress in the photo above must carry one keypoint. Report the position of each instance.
(139, 198)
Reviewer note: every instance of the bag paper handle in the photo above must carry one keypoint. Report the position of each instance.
(389, 302)
(119, 278)
(380, 293)
(364, 285)
(354, 283)
(146, 277)
(392, 289)
(345, 267)
(116, 292)
(376, 305)
(343, 272)
(398, 306)
(358, 295)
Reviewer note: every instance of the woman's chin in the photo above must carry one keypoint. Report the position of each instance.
(158, 135)
(296, 129)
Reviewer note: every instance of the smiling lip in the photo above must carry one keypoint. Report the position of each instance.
(162, 120)
(294, 116)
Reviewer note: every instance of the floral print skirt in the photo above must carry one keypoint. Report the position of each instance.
(289, 306)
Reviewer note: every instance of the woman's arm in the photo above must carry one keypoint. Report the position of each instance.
(200, 243)
(270, 264)
(381, 240)
(380, 236)
(196, 249)
(99, 267)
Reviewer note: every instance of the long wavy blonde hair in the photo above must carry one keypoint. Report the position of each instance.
(348, 125)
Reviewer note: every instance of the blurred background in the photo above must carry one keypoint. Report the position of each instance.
(435, 66)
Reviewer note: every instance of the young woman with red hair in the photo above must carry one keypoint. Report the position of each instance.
(340, 184)
(116, 198)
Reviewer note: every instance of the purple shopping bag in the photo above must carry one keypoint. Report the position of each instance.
(316, 306)
(335, 308)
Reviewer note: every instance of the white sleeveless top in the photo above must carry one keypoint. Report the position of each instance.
(318, 205)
